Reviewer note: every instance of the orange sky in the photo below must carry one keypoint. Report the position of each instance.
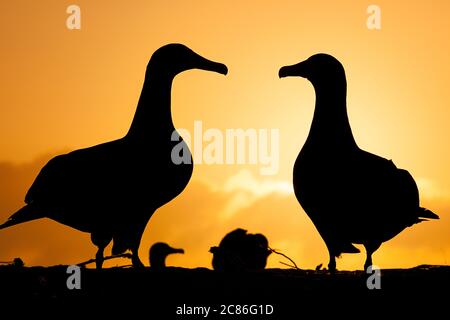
(63, 89)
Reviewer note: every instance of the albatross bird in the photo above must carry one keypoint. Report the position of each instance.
(158, 254)
(111, 190)
(241, 251)
(351, 196)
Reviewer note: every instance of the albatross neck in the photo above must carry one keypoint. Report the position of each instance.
(330, 126)
(153, 114)
(158, 262)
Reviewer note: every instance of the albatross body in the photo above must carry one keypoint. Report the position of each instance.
(351, 196)
(111, 190)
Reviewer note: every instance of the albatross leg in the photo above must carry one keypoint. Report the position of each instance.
(332, 263)
(99, 258)
(101, 242)
(135, 243)
(137, 263)
(370, 249)
(368, 262)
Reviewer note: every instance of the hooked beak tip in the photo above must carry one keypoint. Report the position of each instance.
(282, 73)
(223, 70)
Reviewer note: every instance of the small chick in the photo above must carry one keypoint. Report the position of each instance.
(158, 254)
(241, 251)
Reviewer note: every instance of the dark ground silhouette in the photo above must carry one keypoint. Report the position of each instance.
(111, 190)
(294, 294)
(351, 196)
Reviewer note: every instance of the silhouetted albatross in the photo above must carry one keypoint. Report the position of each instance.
(351, 196)
(111, 190)
(158, 254)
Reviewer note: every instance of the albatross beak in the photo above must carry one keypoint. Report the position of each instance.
(177, 250)
(209, 65)
(296, 70)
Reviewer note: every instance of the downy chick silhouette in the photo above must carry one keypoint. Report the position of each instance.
(241, 251)
(111, 190)
(351, 196)
(158, 254)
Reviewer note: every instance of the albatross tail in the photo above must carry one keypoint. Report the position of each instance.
(24, 214)
(425, 214)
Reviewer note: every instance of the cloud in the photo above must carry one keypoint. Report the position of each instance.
(244, 180)
(199, 218)
(205, 212)
(430, 190)
(42, 242)
(194, 221)
(244, 189)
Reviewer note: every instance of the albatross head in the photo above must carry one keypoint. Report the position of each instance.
(159, 252)
(175, 58)
(321, 69)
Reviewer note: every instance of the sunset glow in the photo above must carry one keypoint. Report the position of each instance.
(66, 89)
